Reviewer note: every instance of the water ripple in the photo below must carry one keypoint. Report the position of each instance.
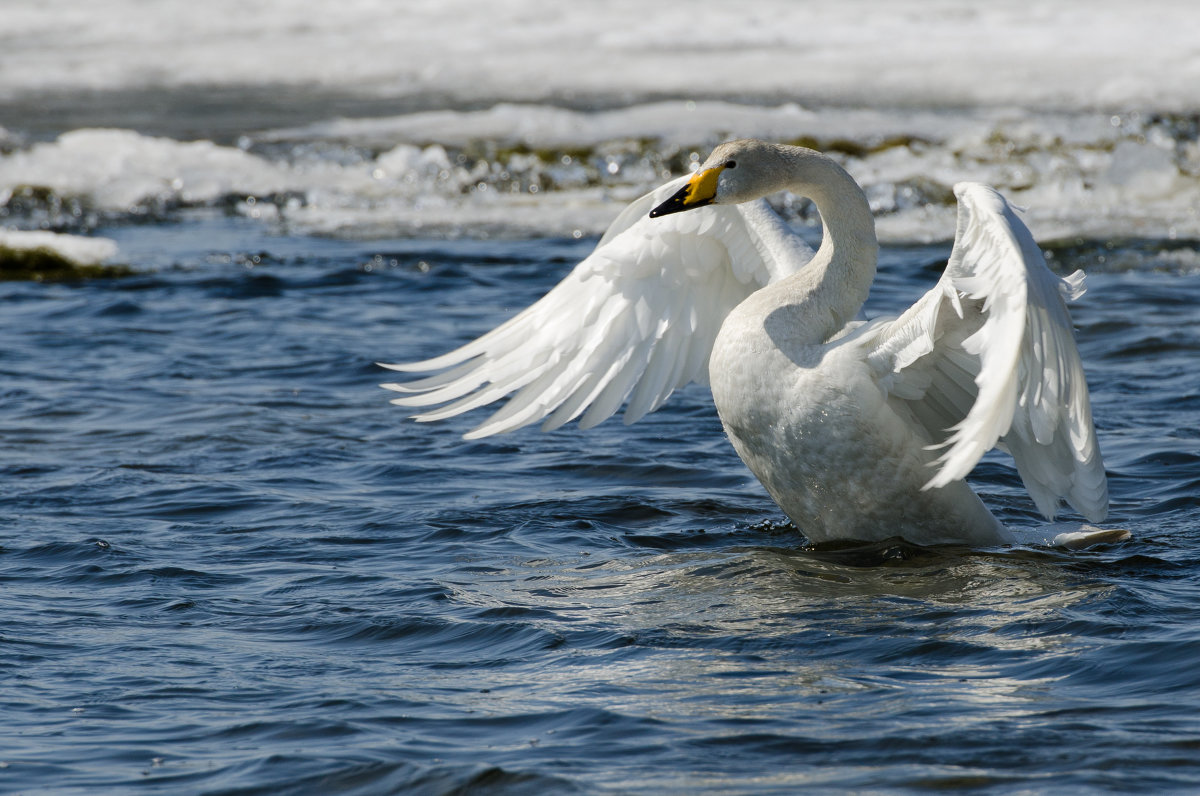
(229, 567)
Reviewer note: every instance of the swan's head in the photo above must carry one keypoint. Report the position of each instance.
(736, 171)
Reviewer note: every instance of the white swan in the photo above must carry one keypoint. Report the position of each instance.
(857, 430)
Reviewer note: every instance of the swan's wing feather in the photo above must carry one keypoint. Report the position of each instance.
(635, 320)
(988, 357)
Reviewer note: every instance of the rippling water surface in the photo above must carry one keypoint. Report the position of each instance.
(228, 566)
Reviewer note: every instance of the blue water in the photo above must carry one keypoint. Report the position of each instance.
(229, 566)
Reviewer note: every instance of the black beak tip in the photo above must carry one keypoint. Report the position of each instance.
(672, 205)
(676, 204)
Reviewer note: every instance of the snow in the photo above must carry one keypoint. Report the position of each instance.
(76, 248)
(529, 117)
(1066, 54)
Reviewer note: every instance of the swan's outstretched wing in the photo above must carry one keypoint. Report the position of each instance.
(635, 320)
(988, 356)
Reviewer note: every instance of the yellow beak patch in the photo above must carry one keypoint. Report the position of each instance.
(702, 187)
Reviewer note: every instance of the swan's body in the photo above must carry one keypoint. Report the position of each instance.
(823, 440)
(858, 430)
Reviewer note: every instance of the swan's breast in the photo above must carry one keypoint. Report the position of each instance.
(811, 423)
(762, 383)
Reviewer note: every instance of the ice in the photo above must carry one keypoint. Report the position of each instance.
(118, 169)
(1069, 54)
(481, 173)
(77, 249)
(531, 118)
(1142, 170)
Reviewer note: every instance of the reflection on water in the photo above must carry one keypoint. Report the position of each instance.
(804, 619)
(766, 651)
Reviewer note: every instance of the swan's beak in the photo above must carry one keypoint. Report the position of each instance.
(699, 191)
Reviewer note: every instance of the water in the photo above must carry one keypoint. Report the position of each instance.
(227, 565)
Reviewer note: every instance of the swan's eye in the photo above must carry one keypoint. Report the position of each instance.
(731, 164)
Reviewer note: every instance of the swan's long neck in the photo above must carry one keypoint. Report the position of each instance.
(829, 291)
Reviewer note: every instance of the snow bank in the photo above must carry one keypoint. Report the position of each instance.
(1068, 54)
